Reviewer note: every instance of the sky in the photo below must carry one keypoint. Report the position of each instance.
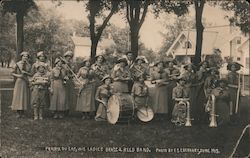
(151, 28)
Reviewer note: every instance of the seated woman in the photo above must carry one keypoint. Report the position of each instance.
(120, 75)
(222, 102)
(102, 95)
(180, 92)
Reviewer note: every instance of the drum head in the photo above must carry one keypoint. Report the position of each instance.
(113, 109)
(145, 114)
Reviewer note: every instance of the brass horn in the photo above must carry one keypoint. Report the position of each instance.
(213, 122)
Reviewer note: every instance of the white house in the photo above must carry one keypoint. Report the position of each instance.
(83, 46)
(229, 40)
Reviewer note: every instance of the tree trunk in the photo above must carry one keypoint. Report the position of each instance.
(134, 39)
(94, 44)
(199, 4)
(19, 34)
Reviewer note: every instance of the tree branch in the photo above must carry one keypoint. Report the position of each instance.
(127, 14)
(144, 13)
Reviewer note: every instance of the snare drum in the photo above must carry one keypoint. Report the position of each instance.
(120, 107)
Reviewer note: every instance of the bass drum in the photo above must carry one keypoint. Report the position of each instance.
(120, 107)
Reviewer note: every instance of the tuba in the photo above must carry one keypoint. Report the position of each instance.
(213, 122)
(188, 119)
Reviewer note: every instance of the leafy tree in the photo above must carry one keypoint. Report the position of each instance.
(241, 13)
(21, 8)
(96, 9)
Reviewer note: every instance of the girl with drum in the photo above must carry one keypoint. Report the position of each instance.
(222, 102)
(58, 90)
(233, 78)
(160, 98)
(172, 73)
(40, 84)
(102, 95)
(21, 93)
(180, 93)
(86, 95)
(120, 75)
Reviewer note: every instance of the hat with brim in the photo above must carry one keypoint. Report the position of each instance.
(190, 64)
(142, 58)
(100, 56)
(124, 60)
(85, 60)
(237, 66)
(39, 54)
(106, 77)
(68, 53)
(168, 60)
(24, 53)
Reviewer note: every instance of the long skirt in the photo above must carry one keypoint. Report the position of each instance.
(161, 100)
(21, 95)
(222, 110)
(58, 98)
(198, 100)
(86, 99)
(101, 113)
(170, 88)
(140, 102)
(70, 94)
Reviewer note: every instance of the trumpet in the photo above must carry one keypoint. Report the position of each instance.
(213, 122)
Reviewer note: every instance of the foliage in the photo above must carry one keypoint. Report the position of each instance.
(18, 6)
(241, 13)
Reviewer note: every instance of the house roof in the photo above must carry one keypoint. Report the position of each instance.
(209, 38)
(85, 41)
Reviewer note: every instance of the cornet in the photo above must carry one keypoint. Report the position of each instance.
(213, 122)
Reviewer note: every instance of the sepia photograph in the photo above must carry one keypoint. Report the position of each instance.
(124, 79)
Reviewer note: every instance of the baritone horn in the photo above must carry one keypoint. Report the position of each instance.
(188, 119)
(213, 122)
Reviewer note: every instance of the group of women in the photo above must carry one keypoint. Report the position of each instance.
(162, 84)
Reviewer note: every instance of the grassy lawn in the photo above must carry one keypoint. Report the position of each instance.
(27, 138)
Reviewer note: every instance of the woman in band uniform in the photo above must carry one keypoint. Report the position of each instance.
(120, 75)
(58, 90)
(172, 73)
(102, 95)
(139, 68)
(21, 93)
(222, 102)
(160, 98)
(86, 94)
(233, 78)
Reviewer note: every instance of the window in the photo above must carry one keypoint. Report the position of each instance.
(238, 58)
(187, 44)
(238, 41)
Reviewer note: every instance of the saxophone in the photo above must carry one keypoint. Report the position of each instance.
(213, 122)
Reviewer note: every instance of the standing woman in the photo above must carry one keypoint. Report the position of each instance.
(70, 91)
(121, 75)
(100, 68)
(160, 98)
(198, 107)
(21, 93)
(102, 95)
(58, 90)
(233, 78)
(86, 95)
(172, 73)
(139, 68)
